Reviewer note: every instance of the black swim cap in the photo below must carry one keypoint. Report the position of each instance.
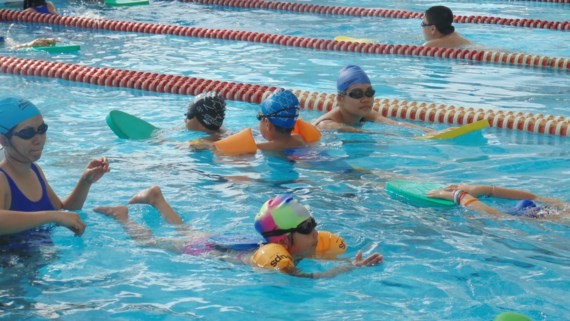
(209, 108)
(442, 18)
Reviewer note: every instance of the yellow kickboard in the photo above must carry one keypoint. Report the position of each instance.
(350, 39)
(458, 131)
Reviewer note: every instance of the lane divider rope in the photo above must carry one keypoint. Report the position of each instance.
(517, 59)
(385, 13)
(551, 1)
(183, 85)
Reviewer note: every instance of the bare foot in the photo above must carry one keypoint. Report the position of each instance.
(148, 196)
(120, 213)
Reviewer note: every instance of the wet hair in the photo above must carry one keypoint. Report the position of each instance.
(442, 18)
(282, 130)
(34, 3)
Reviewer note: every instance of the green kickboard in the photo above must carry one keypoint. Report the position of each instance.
(59, 49)
(128, 126)
(416, 192)
(122, 3)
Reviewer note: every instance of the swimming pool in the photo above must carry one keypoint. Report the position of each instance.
(439, 264)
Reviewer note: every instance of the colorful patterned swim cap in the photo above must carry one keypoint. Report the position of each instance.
(351, 75)
(209, 108)
(14, 110)
(281, 108)
(280, 213)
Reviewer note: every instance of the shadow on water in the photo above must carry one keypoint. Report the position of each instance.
(19, 279)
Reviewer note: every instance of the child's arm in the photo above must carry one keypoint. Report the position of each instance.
(52, 8)
(494, 191)
(358, 261)
(466, 200)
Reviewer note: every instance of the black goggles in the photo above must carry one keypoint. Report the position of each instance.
(29, 133)
(359, 93)
(260, 115)
(423, 24)
(306, 227)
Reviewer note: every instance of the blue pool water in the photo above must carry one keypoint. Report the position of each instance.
(449, 264)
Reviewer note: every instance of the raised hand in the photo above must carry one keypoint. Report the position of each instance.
(372, 260)
(95, 170)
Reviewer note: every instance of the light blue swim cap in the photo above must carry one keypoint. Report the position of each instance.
(14, 110)
(281, 108)
(351, 75)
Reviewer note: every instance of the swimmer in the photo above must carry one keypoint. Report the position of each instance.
(439, 32)
(287, 229)
(530, 205)
(42, 42)
(40, 6)
(206, 113)
(354, 104)
(27, 201)
(277, 117)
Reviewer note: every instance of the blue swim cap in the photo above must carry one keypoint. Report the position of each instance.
(14, 110)
(281, 108)
(351, 75)
(521, 208)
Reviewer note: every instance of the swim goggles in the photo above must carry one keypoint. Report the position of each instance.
(29, 133)
(359, 93)
(306, 227)
(423, 24)
(260, 115)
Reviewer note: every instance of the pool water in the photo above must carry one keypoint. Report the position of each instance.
(446, 264)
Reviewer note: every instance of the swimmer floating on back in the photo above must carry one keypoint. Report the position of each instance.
(287, 228)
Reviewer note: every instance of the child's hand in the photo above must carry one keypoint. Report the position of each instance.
(95, 170)
(441, 193)
(374, 259)
(474, 190)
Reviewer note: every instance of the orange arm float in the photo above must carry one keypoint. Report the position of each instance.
(309, 132)
(238, 144)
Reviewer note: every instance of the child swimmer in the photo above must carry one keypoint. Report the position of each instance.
(287, 228)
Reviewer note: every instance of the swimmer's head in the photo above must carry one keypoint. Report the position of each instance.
(281, 109)
(351, 75)
(523, 208)
(280, 216)
(14, 110)
(441, 17)
(209, 108)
